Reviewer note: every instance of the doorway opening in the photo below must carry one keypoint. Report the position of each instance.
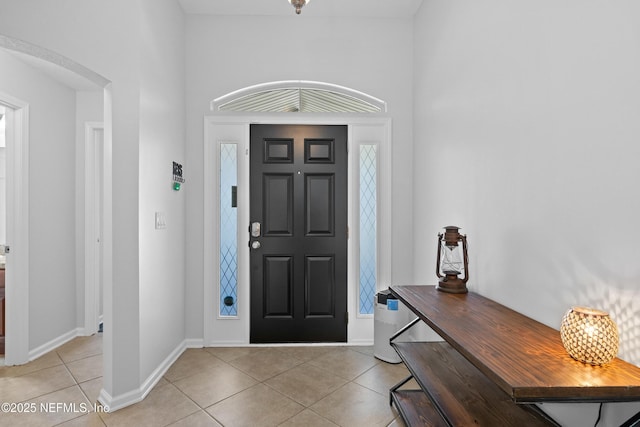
(15, 305)
(3, 222)
(27, 289)
(93, 226)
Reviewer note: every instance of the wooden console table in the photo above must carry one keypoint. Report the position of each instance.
(493, 364)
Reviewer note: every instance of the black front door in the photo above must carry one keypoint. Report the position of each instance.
(298, 233)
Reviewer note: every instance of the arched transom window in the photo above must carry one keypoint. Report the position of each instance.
(298, 96)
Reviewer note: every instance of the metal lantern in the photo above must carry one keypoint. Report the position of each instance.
(452, 261)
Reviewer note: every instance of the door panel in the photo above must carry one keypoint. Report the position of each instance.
(319, 151)
(278, 286)
(278, 150)
(319, 207)
(298, 194)
(320, 286)
(277, 212)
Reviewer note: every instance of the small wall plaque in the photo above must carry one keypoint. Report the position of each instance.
(178, 180)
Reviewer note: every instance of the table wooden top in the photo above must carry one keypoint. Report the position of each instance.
(524, 357)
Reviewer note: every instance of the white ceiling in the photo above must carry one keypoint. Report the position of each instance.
(352, 8)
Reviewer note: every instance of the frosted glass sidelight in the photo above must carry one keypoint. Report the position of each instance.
(368, 218)
(228, 231)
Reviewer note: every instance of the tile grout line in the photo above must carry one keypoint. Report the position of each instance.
(70, 373)
(78, 384)
(194, 402)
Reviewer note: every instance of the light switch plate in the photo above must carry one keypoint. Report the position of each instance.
(161, 220)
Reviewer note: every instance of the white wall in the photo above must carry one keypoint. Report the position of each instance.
(228, 53)
(526, 136)
(162, 136)
(110, 39)
(52, 197)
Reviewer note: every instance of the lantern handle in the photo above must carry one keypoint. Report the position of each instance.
(440, 276)
(463, 237)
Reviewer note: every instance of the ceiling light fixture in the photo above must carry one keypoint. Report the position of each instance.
(298, 4)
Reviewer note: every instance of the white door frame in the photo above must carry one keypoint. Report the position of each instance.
(17, 274)
(222, 331)
(93, 233)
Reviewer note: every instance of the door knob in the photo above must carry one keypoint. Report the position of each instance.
(255, 245)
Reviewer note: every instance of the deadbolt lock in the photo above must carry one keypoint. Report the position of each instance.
(254, 229)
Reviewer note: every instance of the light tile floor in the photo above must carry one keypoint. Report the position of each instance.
(246, 386)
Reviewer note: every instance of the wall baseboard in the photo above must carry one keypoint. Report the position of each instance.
(226, 343)
(361, 342)
(54, 343)
(134, 396)
(194, 343)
